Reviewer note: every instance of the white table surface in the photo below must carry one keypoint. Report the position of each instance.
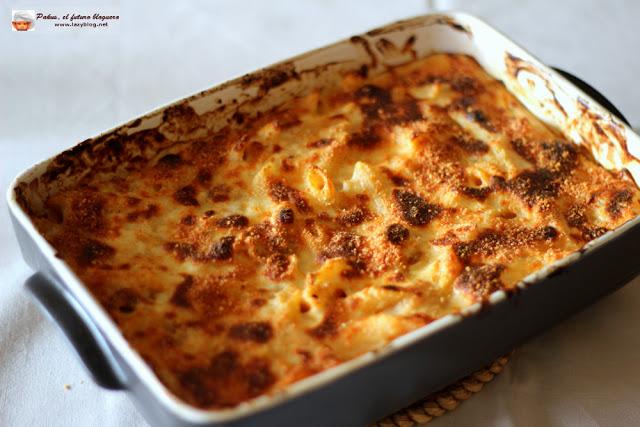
(57, 89)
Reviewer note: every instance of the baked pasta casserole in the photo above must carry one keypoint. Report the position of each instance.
(239, 260)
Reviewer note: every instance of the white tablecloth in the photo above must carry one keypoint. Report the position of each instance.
(57, 89)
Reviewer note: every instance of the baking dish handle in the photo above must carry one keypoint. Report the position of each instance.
(79, 329)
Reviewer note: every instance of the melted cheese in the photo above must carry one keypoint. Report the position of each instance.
(239, 261)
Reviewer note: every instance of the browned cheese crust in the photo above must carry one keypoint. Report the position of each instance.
(239, 261)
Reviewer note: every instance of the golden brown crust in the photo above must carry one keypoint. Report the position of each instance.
(240, 260)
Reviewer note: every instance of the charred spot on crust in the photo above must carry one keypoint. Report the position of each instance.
(487, 242)
(463, 103)
(365, 139)
(228, 364)
(204, 176)
(618, 203)
(330, 323)
(259, 332)
(93, 252)
(194, 381)
(397, 233)
(213, 150)
(405, 112)
(414, 209)
(264, 240)
(220, 250)
(357, 267)
(212, 300)
(353, 217)
(88, 212)
(522, 149)
(287, 164)
(498, 183)
(253, 151)
(188, 220)
(286, 216)
(534, 186)
(304, 307)
(219, 193)
(478, 117)
(593, 233)
(226, 380)
(465, 85)
(186, 196)
(490, 241)
(259, 377)
(558, 156)
(340, 293)
(277, 266)
(370, 94)
(479, 193)
(124, 300)
(170, 160)
(279, 192)
(363, 71)
(327, 328)
(576, 217)
(182, 250)
(180, 295)
(546, 233)
(351, 247)
(238, 117)
(108, 149)
(115, 148)
(466, 104)
(224, 363)
(378, 105)
(223, 248)
(233, 221)
(480, 281)
(397, 179)
(343, 244)
(471, 146)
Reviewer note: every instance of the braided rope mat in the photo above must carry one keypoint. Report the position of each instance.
(445, 400)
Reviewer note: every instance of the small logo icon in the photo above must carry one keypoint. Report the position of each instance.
(23, 20)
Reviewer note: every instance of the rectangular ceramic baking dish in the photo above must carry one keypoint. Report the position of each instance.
(369, 387)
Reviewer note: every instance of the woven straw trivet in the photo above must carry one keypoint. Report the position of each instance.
(445, 400)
